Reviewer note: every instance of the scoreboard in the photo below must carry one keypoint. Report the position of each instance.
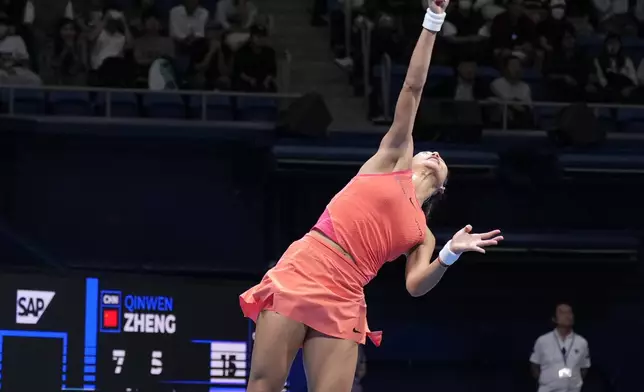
(122, 333)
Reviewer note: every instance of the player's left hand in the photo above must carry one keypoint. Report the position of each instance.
(466, 241)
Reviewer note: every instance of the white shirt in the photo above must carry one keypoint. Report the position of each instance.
(15, 47)
(548, 355)
(182, 25)
(107, 45)
(507, 91)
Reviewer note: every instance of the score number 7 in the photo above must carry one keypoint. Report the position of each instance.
(156, 363)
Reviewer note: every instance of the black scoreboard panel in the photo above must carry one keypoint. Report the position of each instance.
(121, 333)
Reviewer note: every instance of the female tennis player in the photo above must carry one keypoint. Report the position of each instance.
(313, 298)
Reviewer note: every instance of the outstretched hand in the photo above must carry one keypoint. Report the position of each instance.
(466, 241)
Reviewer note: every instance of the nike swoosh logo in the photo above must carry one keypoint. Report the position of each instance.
(356, 331)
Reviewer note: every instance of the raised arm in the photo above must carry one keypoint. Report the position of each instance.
(396, 148)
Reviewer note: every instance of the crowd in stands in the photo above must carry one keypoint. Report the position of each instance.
(511, 50)
(158, 44)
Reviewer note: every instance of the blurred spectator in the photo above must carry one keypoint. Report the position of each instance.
(338, 27)
(14, 58)
(553, 28)
(70, 57)
(361, 370)
(489, 9)
(465, 29)
(614, 75)
(465, 87)
(42, 19)
(110, 36)
(614, 16)
(256, 64)
(565, 71)
(151, 45)
(513, 32)
(236, 14)
(188, 23)
(560, 359)
(510, 88)
(213, 71)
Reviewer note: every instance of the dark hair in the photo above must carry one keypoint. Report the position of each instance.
(429, 204)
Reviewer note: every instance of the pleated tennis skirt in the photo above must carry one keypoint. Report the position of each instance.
(316, 285)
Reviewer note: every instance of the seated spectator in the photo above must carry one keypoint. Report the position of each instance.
(213, 72)
(553, 28)
(256, 64)
(70, 59)
(110, 37)
(564, 71)
(513, 32)
(465, 87)
(489, 9)
(465, 29)
(151, 45)
(188, 29)
(14, 58)
(613, 75)
(41, 18)
(614, 16)
(511, 89)
(235, 15)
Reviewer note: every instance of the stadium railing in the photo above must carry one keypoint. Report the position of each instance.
(137, 103)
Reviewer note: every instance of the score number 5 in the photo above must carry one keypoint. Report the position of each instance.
(156, 363)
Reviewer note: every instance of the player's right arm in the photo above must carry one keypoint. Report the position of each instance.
(397, 147)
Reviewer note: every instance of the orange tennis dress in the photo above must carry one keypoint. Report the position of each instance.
(375, 219)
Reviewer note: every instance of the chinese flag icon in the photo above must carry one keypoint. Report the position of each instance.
(110, 318)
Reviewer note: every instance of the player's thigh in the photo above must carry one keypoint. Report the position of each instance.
(277, 340)
(330, 363)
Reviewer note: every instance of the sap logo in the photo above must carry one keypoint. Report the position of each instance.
(31, 305)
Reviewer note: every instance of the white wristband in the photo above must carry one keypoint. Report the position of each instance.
(446, 256)
(433, 21)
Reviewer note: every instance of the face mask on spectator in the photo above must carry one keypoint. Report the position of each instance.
(558, 13)
(464, 4)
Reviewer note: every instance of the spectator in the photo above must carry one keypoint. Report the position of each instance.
(236, 14)
(213, 72)
(516, 93)
(513, 33)
(614, 16)
(256, 64)
(560, 359)
(151, 45)
(14, 58)
(489, 9)
(42, 18)
(614, 75)
(553, 28)
(188, 29)
(564, 71)
(466, 86)
(111, 36)
(465, 29)
(70, 58)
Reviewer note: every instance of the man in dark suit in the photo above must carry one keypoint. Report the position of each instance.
(465, 86)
